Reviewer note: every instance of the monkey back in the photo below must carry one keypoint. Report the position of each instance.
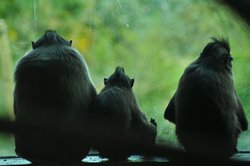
(53, 91)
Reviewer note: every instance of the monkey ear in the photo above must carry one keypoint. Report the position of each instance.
(132, 82)
(105, 81)
(70, 42)
(33, 44)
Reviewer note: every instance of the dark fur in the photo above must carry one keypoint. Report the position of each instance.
(119, 124)
(206, 108)
(53, 90)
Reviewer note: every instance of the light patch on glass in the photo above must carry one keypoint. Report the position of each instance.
(94, 159)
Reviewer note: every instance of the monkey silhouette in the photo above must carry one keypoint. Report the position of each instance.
(53, 92)
(206, 109)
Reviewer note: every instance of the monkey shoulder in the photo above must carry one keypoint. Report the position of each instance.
(192, 78)
(113, 99)
(114, 92)
(203, 78)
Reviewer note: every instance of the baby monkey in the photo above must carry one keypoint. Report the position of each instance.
(118, 122)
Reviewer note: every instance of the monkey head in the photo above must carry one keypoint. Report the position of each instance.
(119, 78)
(50, 38)
(217, 54)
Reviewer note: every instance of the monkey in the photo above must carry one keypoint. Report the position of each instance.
(117, 120)
(53, 90)
(206, 108)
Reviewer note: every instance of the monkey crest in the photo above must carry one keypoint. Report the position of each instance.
(119, 78)
(50, 38)
(216, 54)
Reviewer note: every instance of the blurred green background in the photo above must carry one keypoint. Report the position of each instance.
(154, 40)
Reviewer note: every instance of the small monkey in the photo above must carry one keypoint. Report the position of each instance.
(118, 121)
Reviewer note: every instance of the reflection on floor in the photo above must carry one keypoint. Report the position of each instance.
(242, 158)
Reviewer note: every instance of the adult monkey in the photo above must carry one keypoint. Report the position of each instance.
(206, 109)
(53, 92)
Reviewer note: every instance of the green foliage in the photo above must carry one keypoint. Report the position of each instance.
(154, 40)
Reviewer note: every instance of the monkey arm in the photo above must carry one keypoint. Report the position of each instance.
(242, 116)
(170, 111)
(143, 131)
(15, 110)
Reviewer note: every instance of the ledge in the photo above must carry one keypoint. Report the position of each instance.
(241, 158)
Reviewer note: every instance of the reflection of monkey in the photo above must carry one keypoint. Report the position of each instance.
(206, 108)
(117, 119)
(53, 90)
